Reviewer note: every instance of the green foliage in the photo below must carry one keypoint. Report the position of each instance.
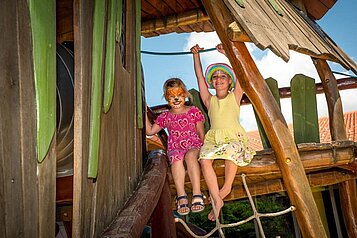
(239, 210)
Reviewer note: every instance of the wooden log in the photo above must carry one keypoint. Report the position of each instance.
(162, 219)
(285, 92)
(314, 157)
(348, 198)
(347, 189)
(273, 122)
(173, 21)
(132, 219)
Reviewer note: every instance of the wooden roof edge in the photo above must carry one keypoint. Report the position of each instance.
(173, 21)
(338, 56)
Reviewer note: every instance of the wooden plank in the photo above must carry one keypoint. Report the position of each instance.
(337, 129)
(138, 76)
(273, 121)
(314, 157)
(261, 186)
(348, 195)
(162, 219)
(133, 217)
(21, 190)
(304, 107)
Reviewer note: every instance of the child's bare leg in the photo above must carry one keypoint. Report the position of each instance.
(194, 172)
(178, 175)
(230, 170)
(211, 181)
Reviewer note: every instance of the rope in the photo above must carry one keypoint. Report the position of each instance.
(256, 216)
(174, 53)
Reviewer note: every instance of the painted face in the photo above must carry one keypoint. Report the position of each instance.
(221, 79)
(175, 97)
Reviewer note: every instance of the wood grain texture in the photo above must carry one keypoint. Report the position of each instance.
(347, 190)
(282, 142)
(96, 202)
(137, 211)
(22, 180)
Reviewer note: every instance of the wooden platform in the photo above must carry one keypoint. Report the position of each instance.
(324, 163)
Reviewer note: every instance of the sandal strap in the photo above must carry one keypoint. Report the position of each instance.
(198, 204)
(181, 197)
(182, 205)
(202, 196)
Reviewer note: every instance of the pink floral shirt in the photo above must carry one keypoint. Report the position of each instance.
(182, 132)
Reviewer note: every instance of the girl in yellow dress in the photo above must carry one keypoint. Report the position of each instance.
(226, 138)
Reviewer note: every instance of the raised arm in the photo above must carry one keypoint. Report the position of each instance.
(238, 92)
(204, 92)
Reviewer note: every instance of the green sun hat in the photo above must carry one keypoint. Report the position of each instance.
(219, 66)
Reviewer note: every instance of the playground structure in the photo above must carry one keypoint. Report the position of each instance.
(100, 182)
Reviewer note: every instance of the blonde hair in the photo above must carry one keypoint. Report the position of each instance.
(176, 83)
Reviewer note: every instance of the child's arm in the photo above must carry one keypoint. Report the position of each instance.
(200, 130)
(151, 129)
(238, 92)
(204, 92)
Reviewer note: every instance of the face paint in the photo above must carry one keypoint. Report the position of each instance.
(175, 97)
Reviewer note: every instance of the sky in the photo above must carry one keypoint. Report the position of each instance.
(339, 23)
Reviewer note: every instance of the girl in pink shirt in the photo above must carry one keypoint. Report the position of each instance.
(186, 134)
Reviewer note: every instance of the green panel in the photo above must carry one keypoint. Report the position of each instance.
(95, 112)
(240, 3)
(43, 25)
(305, 118)
(276, 7)
(110, 58)
(273, 86)
(139, 81)
(197, 101)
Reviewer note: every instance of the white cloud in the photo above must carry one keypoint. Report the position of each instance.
(270, 65)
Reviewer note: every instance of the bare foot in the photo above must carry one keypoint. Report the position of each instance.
(224, 192)
(218, 205)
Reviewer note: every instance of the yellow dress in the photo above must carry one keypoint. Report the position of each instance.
(226, 139)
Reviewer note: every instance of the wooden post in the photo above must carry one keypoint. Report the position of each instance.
(162, 219)
(273, 122)
(347, 189)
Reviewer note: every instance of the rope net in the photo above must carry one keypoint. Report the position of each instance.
(256, 215)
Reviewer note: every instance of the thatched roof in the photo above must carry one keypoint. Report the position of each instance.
(280, 27)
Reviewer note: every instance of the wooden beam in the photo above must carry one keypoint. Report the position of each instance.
(136, 213)
(284, 92)
(347, 189)
(314, 157)
(273, 122)
(177, 20)
(162, 219)
(263, 187)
